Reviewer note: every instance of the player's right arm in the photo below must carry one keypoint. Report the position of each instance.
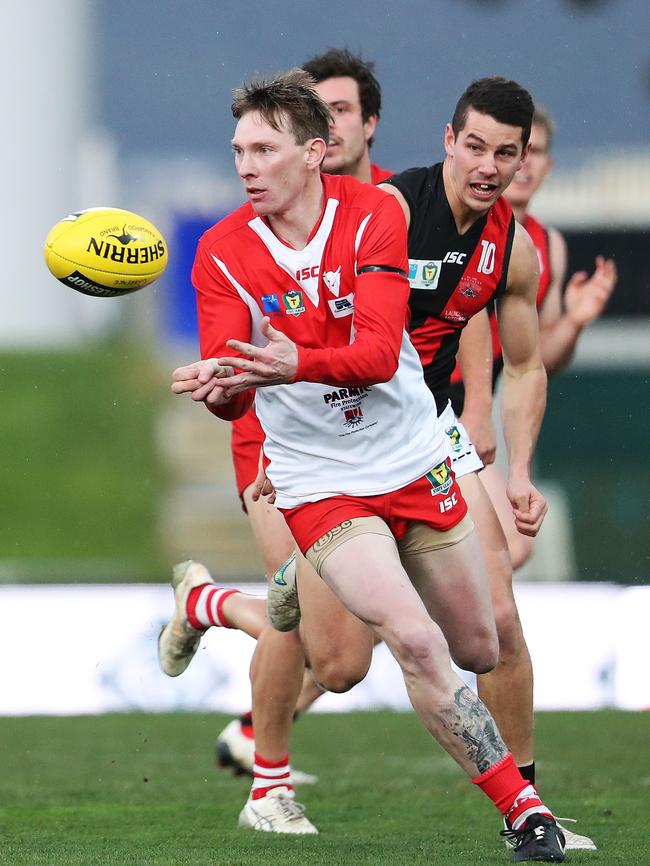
(222, 315)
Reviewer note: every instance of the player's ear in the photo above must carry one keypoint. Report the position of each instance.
(450, 139)
(315, 152)
(370, 126)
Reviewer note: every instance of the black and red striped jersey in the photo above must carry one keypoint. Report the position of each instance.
(452, 276)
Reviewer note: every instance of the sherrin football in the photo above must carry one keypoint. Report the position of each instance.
(105, 252)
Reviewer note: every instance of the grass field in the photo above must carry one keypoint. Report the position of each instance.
(141, 789)
(81, 478)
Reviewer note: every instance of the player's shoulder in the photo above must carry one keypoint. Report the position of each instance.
(415, 181)
(354, 195)
(228, 227)
(379, 174)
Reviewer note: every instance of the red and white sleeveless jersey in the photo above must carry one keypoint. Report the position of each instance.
(539, 236)
(343, 300)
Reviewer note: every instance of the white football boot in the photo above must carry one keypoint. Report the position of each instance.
(178, 641)
(277, 812)
(572, 841)
(282, 605)
(235, 750)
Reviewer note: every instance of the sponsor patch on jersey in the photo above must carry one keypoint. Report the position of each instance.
(271, 304)
(353, 416)
(424, 273)
(454, 438)
(342, 306)
(440, 478)
(293, 303)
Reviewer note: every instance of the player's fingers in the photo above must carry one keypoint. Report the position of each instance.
(184, 386)
(190, 371)
(244, 348)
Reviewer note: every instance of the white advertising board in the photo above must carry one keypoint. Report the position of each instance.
(92, 649)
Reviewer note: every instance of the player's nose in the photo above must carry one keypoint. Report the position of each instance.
(488, 165)
(246, 166)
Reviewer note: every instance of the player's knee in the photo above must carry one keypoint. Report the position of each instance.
(418, 647)
(479, 652)
(509, 630)
(520, 548)
(339, 673)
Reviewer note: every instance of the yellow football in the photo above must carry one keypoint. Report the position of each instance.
(105, 252)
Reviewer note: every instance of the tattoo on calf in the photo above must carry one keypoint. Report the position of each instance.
(469, 720)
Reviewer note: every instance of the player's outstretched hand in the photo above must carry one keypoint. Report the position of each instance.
(585, 297)
(203, 381)
(528, 506)
(275, 364)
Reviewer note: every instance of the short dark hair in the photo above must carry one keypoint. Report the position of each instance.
(542, 117)
(506, 101)
(339, 63)
(289, 96)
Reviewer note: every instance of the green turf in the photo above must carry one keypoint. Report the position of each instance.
(79, 474)
(141, 789)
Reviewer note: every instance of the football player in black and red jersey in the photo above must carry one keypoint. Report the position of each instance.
(467, 252)
(564, 312)
(359, 465)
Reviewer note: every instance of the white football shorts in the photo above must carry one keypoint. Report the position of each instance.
(464, 458)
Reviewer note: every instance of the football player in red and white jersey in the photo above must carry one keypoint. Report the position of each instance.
(563, 314)
(347, 83)
(348, 459)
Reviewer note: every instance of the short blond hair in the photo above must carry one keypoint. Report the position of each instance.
(290, 97)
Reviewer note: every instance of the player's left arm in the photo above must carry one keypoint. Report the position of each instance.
(381, 291)
(524, 384)
(475, 363)
(563, 318)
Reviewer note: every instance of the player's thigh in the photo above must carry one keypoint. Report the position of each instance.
(367, 575)
(274, 540)
(453, 584)
(337, 644)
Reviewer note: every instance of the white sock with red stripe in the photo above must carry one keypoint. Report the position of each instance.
(205, 606)
(268, 775)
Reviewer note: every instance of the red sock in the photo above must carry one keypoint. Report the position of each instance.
(204, 606)
(513, 796)
(270, 774)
